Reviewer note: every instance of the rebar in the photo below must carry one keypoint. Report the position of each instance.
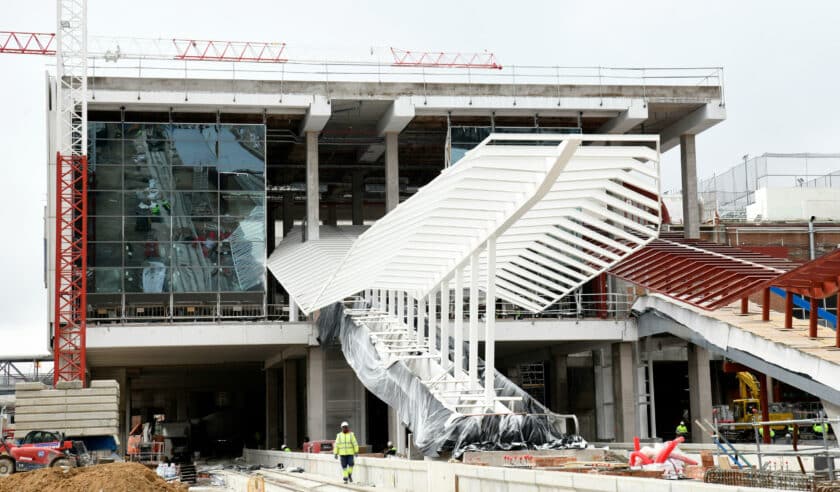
(760, 478)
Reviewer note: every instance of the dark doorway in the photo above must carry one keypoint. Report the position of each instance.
(377, 424)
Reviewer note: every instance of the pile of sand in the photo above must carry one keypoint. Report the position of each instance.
(112, 477)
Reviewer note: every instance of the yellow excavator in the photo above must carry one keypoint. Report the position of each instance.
(749, 404)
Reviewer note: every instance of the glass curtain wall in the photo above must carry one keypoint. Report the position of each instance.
(176, 218)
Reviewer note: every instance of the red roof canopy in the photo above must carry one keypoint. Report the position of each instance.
(700, 273)
(818, 278)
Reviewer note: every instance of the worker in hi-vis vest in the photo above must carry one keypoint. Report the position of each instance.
(345, 449)
(682, 430)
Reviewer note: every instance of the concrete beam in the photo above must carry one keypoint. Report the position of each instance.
(591, 331)
(635, 114)
(397, 117)
(317, 116)
(699, 120)
(781, 362)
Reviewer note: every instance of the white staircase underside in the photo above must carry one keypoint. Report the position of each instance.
(561, 208)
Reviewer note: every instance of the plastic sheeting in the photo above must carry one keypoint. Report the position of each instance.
(436, 428)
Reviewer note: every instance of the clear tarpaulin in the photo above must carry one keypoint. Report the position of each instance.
(437, 429)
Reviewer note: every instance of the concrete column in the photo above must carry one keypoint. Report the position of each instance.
(396, 431)
(432, 303)
(392, 173)
(358, 192)
(624, 392)
(444, 324)
(421, 320)
(560, 383)
(699, 391)
(290, 411)
(312, 199)
(691, 212)
(125, 406)
(316, 422)
(272, 409)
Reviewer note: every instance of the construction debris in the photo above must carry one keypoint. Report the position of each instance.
(113, 477)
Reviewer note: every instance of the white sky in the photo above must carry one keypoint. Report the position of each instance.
(782, 64)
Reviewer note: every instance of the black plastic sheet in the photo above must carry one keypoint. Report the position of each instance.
(437, 429)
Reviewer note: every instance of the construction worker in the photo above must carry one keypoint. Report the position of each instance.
(682, 430)
(286, 449)
(346, 448)
(818, 429)
(772, 433)
(390, 450)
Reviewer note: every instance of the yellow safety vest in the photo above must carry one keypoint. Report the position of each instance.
(345, 444)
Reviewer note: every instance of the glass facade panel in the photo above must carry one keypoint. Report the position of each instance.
(176, 208)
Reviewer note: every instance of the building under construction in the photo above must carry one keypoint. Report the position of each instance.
(265, 248)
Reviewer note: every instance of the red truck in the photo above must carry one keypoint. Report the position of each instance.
(40, 449)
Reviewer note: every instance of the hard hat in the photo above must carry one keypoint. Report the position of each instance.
(390, 444)
(345, 424)
(682, 422)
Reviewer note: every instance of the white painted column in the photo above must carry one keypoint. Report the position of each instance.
(313, 218)
(293, 310)
(392, 176)
(421, 320)
(392, 302)
(433, 322)
(444, 324)
(490, 326)
(409, 313)
(401, 307)
(459, 321)
(473, 355)
(382, 301)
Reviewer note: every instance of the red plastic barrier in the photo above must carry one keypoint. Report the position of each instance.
(669, 447)
(640, 457)
(636, 443)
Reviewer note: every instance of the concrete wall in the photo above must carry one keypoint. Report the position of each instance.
(795, 204)
(440, 476)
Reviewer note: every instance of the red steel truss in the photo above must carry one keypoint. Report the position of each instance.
(70, 268)
(27, 43)
(440, 59)
(700, 273)
(818, 278)
(234, 51)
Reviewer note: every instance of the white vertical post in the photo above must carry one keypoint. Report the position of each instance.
(293, 310)
(401, 307)
(444, 324)
(473, 356)
(313, 220)
(381, 303)
(459, 321)
(409, 313)
(490, 327)
(432, 322)
(392, 302)
(421, 320)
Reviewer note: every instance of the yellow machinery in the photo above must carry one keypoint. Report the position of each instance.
(749, 405)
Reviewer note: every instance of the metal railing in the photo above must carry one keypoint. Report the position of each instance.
(611, 305)
(181, 313)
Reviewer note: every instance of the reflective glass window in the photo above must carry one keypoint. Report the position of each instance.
(104, 280)
(105, 177)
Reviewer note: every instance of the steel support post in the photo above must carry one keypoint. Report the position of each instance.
(473, 355)
(490, 327)
(459, 321)
(421, 320)
(392, 302)
(745, 305)
(765, 305)
(432, 303)
(444, 324)
(788, 309)
(812, 318)
(409, 313)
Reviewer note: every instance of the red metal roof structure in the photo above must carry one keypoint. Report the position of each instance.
(818, 278)
(442, 59)
(700, 273)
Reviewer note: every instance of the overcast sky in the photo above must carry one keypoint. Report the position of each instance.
(782, 63)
